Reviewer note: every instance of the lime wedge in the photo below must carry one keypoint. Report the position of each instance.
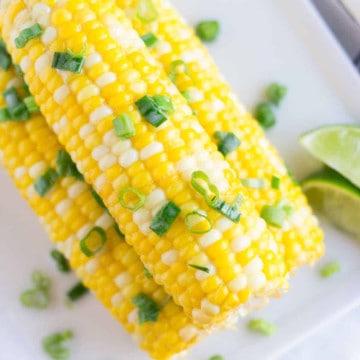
(338, 146)
(335, 197)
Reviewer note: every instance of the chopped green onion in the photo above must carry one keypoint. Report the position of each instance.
(39, 296)
(136, 199)
(45, 182)
(164, 103)
(201, 268)
(93, 242)
(35, 298)
(330, 269)
(198, 223)
(230, 211)
(273, 215)
(4, 115)
(228, 142)
(275, 93)
(262, 326)
(148, 309)
(208, 30)
(149, 39)
(117, 229)
(53, 345)
(165, 218)
(68, 62)
(177, 67)
(98, 199)
(61, 262)
(15, 106)
(151, 111)
(77, 292)
(201, 183)
(124, 127)
(31, 105)
(40, 280)
(265, 115)
(28, 34)
(5, 58)
(286, 206)
(254, 183)
(148, 274)
(217, 357)
(146, 11)
(80, 54)
(65, 166)
(275, 182)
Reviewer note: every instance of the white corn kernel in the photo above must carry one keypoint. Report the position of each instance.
(169, 257)
(129, 158)
(123, 279)
(211, 237)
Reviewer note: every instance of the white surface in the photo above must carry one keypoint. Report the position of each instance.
(261, 41)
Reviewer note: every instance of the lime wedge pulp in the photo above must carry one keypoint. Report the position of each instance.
(335, 197)
(337, 146)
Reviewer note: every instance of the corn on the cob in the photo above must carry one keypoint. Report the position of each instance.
(68, 212)
(157, 162)
(218, 110)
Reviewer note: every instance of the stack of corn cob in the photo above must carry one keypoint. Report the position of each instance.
(182, 210)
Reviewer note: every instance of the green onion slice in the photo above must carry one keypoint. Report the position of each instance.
(53, 345)
(5, 58)
(148, 274)
(164, 218)
(273, 215)
(77, 292)
(148, 309)
(40, 280)
(231, 211)
(66, 167)
(208, 30)
(146, 11)
(131, 198)
(4, 115)
(93, 242)
(275, 182)
(31, 105)
(262, 326)
(35, 298)
(264, 114)
(201, 268)
(45, 182)
(176, 68)
(201, 183)
(124, 127)
(217, 357)
(68, 62)
(164, 103)
(61, 262)
(286, 206)
(254, 183)
(149, 39)
(228, 142)
(330, 269)
(27, 34)
(151, 111)
(276, 93)
(15, 106)
(198, 223)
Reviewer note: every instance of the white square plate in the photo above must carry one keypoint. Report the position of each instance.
(261, 41)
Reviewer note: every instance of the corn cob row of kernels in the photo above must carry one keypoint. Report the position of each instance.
(68, 212)
(218, 110)
(158, 162)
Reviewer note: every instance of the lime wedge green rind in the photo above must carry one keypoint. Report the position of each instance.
(335, 197)
(337, 146)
